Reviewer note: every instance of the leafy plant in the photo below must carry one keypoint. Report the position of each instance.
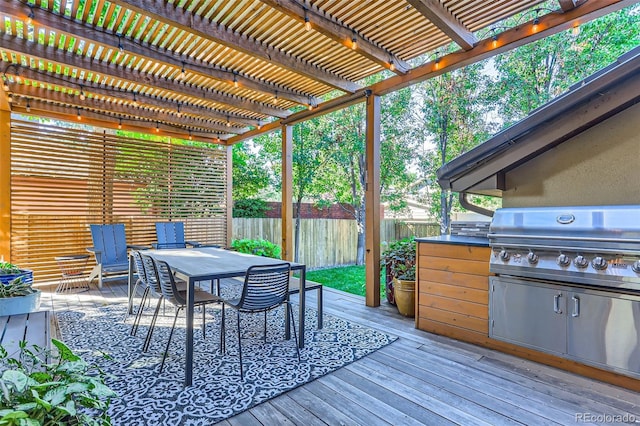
(400, 259)
(258, 247)
(66, 392)
(250, 207)
(7, 268)
(17, 287)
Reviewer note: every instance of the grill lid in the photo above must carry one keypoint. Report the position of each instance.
(598, 228)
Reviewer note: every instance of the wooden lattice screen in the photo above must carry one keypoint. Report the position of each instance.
(63, 179)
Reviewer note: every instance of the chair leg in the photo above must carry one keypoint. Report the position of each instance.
(265, 327)
(295, 333)
(136, 321)
(223, 332)
(133, 293)
(320, 307)
(147, 340)
(166, 350)
(240, 349)
(204, 326)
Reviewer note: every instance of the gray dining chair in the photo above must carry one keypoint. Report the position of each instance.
(140, 282)
(178, 298)
(266, 287)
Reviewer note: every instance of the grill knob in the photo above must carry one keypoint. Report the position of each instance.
(599, 263)
(581, 262)
(563, 260)
(532, 258)
(504, 255)
(636, 267)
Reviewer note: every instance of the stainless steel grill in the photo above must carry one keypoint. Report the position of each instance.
(594, 245)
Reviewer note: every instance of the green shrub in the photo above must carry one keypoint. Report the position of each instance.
(258, 247)
(66, 392)
(250, 207)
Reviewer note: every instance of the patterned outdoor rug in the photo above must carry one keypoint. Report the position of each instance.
(147, 397)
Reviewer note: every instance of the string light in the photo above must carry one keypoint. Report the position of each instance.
(392, 66)
(78, 116)
(120, 46)
(5, 84)
(120, 123)
(436, 65)
(31, 16)
(235, 80)
(28, 106)
(275, 98)
(228, 122)
(354, 41)
(494, 43)
(82, 95)
(10, 98)
(190, 137)
(307, 24)
(259, 125)
(157, 127)
(536, 21)
(135, 101)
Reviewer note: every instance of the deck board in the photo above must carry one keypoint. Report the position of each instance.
(419, 379)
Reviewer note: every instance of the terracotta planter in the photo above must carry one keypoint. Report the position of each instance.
(405, 296)
(20, 304)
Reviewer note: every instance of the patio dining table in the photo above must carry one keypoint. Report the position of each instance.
(208, 264)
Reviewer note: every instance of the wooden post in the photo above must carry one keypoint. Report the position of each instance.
(287, 193)
(5, 184)
(372, 203)
(229, 196)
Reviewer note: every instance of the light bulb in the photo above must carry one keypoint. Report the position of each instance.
(575, 31)
(307, 24)
(392, 66)
(354, 43)
(120, 124)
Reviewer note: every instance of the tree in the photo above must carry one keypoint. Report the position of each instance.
(534, 74)
(453, 109)
(250, 177)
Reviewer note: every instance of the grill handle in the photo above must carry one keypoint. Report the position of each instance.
(564, 238)
(576, 307)
(556, 303)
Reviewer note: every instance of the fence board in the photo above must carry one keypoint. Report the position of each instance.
(329, 242)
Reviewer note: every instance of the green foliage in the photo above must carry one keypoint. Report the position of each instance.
(17, 287)
(251, 174)
(7, 268)
(258, 247)
(66, 392)
(400, 259)
(250, 207)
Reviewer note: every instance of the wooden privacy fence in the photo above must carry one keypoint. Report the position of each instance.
(329, 242)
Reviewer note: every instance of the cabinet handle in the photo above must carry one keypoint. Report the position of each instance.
(556, 303)
(576, 306)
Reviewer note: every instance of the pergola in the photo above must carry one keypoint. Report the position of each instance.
(226, 71)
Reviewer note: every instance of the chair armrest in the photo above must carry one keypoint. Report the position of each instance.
(96, 253)
(133, 247)
(193, 243)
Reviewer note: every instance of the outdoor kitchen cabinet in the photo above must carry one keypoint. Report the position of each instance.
(583, 324)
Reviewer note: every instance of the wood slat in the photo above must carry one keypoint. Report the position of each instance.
(467, 252)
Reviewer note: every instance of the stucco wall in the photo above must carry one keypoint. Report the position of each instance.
(598, 167)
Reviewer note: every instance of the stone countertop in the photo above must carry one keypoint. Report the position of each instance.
(456, 240)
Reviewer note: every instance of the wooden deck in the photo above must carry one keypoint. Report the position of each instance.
(422, 379)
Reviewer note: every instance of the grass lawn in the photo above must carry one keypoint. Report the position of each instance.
(345, 278)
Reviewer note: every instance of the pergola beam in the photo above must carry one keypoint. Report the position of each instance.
(133, 77)
(108, 109)
(60, 112)
(61, 24)
(338, 32)
(219, 33)
(442, 18)
(91, 88)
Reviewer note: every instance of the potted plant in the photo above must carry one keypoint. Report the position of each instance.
(68, 391)
(400, 263)
(9, 272)
(17, 296)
